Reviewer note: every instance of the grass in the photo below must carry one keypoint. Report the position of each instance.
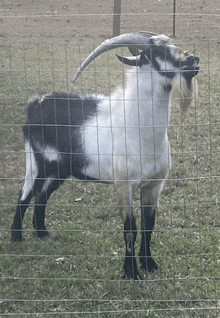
(76, 272)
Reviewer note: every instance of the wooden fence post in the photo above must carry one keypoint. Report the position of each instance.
(117, 17)
(174, 18)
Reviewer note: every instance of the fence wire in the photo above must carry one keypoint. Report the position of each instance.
(77, 271)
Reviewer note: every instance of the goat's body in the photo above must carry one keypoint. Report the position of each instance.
(110, 139)
(120, 139)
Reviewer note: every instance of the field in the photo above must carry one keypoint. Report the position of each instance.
(77, 271)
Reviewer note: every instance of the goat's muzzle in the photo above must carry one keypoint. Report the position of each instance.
(190, 65)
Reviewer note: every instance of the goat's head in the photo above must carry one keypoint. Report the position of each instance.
(166, 59)
(157, 51)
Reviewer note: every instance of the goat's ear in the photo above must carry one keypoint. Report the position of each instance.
(132, 61)
(138, 60)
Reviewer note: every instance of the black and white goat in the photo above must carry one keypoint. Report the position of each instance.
(120, 139)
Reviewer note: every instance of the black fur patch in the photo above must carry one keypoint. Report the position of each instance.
(55, 122)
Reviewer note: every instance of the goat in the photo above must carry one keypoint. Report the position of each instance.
(121, 139)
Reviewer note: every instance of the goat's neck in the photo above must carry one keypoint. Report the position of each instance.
(147, 103)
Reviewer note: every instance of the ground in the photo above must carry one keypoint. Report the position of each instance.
(90, 21)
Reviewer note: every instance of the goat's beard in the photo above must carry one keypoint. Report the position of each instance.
(184, 96)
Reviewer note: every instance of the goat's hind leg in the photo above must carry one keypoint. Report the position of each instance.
(39, 215)
(23, 203)
(26, 194)
(49, 186)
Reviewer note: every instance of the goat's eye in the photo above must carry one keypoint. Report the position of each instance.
(167, 88)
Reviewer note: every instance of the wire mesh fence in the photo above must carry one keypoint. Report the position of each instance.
(77, 271)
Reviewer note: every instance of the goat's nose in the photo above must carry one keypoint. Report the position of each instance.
(192, 59)
(197, 59)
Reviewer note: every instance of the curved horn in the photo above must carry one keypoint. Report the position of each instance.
(137, 40)
(134, 50)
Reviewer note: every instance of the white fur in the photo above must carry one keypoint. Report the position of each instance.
(47, 182)
(31, 171)
(132, 144)
(50, 153)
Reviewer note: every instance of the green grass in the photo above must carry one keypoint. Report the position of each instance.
(77, 271)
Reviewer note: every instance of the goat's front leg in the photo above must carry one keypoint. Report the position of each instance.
(149, 199)
(125, 201)
(130, 264)
(147, 219)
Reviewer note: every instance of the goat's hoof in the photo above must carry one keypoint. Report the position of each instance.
(16, 235)
(132, 274)
(148, 264)
(134, 278)
(42, 233)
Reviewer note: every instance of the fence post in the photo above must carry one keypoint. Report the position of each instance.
(174, 18)
(117, 17)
